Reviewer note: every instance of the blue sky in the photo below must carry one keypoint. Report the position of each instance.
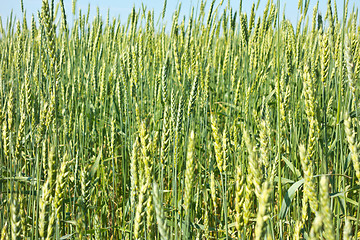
(122, 8)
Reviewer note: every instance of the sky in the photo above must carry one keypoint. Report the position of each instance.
(122, 8)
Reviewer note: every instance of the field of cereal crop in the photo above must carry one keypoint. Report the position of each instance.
(223, 124)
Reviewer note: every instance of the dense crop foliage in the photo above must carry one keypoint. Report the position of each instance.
(225, 125)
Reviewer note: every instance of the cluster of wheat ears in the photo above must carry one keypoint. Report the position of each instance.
(219, 125)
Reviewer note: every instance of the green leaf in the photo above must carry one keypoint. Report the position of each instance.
(67, 236)
(95, 166)
(292, 167)
(289, 196)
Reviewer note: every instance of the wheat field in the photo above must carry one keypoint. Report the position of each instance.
(222, 124)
